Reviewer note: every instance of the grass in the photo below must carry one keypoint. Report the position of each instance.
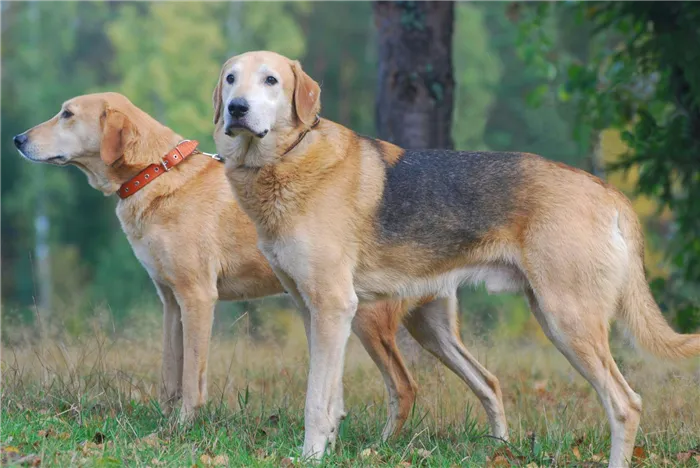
(93, 402)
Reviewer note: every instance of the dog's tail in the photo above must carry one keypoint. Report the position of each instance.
(638, 307)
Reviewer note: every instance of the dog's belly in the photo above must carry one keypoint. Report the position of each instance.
(248, 287)
(243, 277)
(391, 283)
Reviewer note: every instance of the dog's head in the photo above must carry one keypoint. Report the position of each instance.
(265, 97)
(93, 132)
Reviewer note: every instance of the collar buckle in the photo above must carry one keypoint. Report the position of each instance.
(171, 159)
(164, 161)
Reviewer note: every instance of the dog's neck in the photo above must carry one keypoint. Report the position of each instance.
(96, 171)
(148, 148)
(248, 151)
(263, 174)
(152, 142)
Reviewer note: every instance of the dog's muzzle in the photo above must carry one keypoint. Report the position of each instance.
(237, 110)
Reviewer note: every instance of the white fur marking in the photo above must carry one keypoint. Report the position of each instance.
(497, 278)
(617, 237)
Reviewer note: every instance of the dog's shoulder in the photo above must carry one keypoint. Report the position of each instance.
(387, 152)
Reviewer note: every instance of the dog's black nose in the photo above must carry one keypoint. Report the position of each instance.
(238, 107)
(20, 140)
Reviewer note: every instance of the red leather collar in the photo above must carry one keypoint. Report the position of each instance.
(174, 157)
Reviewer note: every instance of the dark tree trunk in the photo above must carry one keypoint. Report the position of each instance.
(415, 90)
(416, 82)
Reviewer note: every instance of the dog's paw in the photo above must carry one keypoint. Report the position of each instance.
(168, 407)
(169, 401)
(186, 416)
(300, 461)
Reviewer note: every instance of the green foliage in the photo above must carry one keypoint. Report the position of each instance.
(166, 58)
(341, 54)
(165, 65)
(50, 53)
(169, 67)
(118, 271)
(493, 316)
(643, 78)
(513, 124)
(477, 71)
(271, 26)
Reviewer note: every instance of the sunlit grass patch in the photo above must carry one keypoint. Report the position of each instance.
(93, 402)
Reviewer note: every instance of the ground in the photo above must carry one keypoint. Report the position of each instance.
(92, 402)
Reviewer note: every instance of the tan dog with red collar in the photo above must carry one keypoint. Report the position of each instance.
(344, 218)
(198, 246)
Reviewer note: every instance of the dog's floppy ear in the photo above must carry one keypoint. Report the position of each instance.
(116, 134)
(216, 99)
(307, 95)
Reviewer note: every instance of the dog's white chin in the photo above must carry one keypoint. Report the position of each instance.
(234, 131)
(28, 156)
(55, 160)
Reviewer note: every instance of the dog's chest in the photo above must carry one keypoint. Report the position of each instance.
(262, 195)
(143, 249)
(289, 254)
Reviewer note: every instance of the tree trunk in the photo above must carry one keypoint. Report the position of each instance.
(415, 90)
(416, 82)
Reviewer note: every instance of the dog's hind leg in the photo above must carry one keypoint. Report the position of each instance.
(376, 325)
(435, 326)
(171, 373)
(579, 329)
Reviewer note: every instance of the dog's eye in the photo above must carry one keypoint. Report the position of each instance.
(271, 80)
(230, 79)
(66, 114)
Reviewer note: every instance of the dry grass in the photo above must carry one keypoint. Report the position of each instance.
(547, 403)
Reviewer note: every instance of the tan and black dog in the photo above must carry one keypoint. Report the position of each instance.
(197, 245)
(343, 218)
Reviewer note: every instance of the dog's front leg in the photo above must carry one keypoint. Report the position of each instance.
(290, 286)
(197, 306)
(171, 373)
(324, 292)
(332, 308)
(336, 408)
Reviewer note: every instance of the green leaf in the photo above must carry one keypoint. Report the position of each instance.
(537, 95)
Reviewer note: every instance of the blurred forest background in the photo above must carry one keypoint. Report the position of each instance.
(608, 87)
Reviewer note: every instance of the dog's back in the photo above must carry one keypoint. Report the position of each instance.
(445, 200)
